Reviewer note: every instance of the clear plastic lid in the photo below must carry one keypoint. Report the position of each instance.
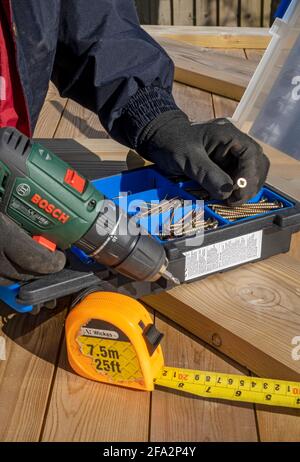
(270, 108)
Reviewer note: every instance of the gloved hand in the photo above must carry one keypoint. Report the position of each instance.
(21, 258)
(215, 154)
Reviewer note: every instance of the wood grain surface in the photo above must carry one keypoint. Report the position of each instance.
(214, 37)
(218, 73)
(183, 11)
(32, 344)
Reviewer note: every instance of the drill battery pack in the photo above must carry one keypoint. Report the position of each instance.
(228, 241)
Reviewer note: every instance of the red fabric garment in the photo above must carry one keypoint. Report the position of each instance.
(13, 109)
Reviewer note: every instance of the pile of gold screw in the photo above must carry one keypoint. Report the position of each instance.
(192, 223)
(245, 210)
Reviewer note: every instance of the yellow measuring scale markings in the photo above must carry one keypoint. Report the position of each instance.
(111, 338)
(231, 387)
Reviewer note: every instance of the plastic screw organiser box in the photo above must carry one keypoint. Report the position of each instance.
(148, 185)
(231, 244)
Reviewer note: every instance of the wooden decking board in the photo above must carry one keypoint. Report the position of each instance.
(254, 55)
(183, 12)
(214, 37)
(50, 114)
(32, 344)
(78, 122)
(191, 99)
(214, 72)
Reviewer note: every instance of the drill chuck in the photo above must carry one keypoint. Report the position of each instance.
(117, 242)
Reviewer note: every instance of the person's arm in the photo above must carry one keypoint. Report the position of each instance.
(106, 62)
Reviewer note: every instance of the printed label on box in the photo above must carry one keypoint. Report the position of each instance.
(217, 257)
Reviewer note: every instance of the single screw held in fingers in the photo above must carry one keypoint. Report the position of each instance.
(242, 183)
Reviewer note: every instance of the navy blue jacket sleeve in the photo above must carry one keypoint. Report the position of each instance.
(106, 62)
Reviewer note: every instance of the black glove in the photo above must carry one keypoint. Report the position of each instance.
(21, 258)
(215, 154)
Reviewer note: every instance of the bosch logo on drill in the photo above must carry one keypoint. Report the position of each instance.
(23, 190)
(55, 212)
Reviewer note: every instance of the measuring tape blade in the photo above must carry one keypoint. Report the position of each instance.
(231, 387)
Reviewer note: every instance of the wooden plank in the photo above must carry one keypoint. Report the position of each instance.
(214, 37)
(164, 13)
(228, 13)
(32, 344)
(295, 247)
(206, 12)
(191, 99)
(254, 55)
(183, 12)
(278, 425)
(214, 72)
(225, 107)
(78, 122)
(50, 114)
(176, 416)
(254, 310)
(251, 13)
(105, 149)
(83, 410)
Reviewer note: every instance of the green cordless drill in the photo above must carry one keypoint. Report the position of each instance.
(58, 207)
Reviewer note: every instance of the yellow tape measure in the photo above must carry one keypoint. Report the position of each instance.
(111, 338)
(231, 387)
